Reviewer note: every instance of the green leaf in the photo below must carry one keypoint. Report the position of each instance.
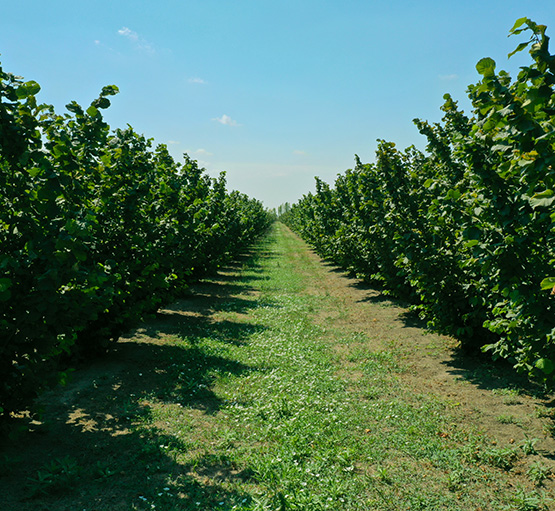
(520, 47)
(548, 283)
(518, 23)
(471, 243)
(545, 365)
(92, 111)
(545, 199)
(21, 92)
(75, 108)
(34, 172)
(58, 150)
(502, 148)
(102, 103)
(109, 90)
(32, 87)
(453, 194)
(27, 89)
(486, 67)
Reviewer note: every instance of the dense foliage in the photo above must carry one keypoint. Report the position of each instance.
(466, 230)
(97, 229)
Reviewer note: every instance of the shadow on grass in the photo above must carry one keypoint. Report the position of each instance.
(484, 373)
(479, 369)
(195, 329)
(90, 451)
(95, 445)
(469, 364)
(377, 293)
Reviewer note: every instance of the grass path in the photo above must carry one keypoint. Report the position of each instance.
(280, 385)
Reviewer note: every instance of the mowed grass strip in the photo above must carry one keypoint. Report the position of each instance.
(292, 434)
(254, 409)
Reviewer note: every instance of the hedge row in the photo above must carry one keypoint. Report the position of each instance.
(97, 229)
(465, 231)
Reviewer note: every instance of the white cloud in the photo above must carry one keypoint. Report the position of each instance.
(197, 80)
(203, 152)
(138, 41)
(173, 142)
(226, 120)
(448, 77)
(299, 152)
(128, 33)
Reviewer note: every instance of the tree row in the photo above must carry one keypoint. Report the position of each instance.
(97, 230)
(465, 231)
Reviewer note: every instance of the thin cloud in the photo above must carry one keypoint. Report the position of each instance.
(204, 152)
(173, 142)
(448, 77)
(99, 44)
(138, 41)
(128, 33)
(226, 120)
(197, 80)
(299, 152)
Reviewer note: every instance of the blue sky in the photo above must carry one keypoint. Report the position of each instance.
(272, 92)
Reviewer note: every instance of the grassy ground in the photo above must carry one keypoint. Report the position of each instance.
(268, 389)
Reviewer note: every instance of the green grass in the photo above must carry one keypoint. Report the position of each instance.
(252, 409)
(290, 434)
